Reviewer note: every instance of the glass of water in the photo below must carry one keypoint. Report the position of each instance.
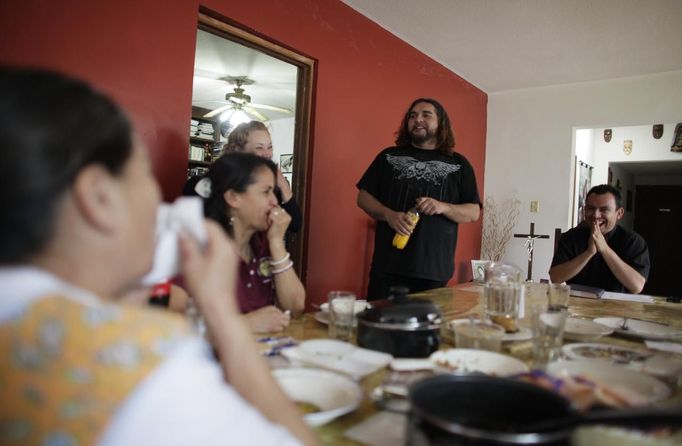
(502, 295)
(341, 314)
(558, 295)
(548, 330)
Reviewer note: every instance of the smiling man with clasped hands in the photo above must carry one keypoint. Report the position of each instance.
(599, 252)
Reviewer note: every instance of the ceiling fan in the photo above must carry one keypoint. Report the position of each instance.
(239, 100)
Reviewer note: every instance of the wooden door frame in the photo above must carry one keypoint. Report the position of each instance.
(216, 24)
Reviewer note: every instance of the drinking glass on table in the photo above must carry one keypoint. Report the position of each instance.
(341, 314)
(502, 295)
(548, 330)
(558, 295)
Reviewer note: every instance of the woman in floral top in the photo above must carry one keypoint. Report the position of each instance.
(77, 218)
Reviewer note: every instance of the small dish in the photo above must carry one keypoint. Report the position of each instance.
(522, 334)
(463, 361)
(358, 306)
(332, 393)
(621, 355)
(323, 318)
(637, 388)
(583, 330)
(640, 329)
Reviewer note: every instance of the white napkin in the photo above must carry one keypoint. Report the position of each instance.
(187, 214)
(357, 363)
(612, 295)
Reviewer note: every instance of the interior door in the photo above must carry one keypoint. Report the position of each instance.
(658, 218)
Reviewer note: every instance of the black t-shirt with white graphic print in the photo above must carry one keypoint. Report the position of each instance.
(397, 177)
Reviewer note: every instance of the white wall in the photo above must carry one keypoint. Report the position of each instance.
(282, 134)
(644, 147)
(529, 149)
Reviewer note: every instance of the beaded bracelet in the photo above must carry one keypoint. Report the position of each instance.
(283, 269)
(280, 261)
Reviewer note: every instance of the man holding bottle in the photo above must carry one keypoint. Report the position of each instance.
(421, 175)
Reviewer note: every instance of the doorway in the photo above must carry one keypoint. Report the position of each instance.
(658, 219)
(649, 177)
(241, 76)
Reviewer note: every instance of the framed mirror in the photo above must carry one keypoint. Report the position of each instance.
(241, 76)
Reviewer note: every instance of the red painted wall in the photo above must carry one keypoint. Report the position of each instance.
(141, 52)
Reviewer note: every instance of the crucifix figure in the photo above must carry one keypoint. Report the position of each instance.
(529, 245)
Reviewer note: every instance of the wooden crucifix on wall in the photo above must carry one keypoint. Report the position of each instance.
(529, 245)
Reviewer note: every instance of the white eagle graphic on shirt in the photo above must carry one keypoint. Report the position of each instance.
(431, 171)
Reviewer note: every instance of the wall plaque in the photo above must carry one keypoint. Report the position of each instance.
(607, 135)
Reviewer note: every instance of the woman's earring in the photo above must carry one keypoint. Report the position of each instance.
(231, 221)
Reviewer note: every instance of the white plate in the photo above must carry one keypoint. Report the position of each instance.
(461, 360)
(323, 318)
(638, 385)
(333, 393)
(640, 329)
(578, 329)
(622, 355)
(359, 305)
(523, 334)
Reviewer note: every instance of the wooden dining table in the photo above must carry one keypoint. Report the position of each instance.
(463, 300)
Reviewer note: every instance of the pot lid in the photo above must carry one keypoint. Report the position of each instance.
(403, 312)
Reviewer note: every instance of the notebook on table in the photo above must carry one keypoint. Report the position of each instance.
(585, 291)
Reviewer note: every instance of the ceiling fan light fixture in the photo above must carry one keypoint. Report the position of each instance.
(235, 117)
(238, 97)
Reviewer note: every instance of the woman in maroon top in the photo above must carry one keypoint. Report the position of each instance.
(242, 200)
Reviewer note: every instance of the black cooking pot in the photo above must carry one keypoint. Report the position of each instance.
(402, 326)
(484, 410)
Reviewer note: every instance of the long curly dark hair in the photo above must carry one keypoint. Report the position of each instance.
(445, 136)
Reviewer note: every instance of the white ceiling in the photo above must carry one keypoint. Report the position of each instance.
(217, 58)
(497, 45)
(500, 45)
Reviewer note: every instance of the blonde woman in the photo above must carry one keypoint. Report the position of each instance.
(254, 137)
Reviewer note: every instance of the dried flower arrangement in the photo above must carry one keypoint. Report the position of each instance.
(499, 219)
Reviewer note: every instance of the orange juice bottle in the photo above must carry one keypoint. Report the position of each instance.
(399, 240)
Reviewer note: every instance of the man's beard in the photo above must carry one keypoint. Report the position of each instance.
(421, 138)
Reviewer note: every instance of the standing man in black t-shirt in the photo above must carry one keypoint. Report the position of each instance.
(425, 172)
(599, 252)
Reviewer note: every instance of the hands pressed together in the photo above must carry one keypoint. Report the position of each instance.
(597, 242)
